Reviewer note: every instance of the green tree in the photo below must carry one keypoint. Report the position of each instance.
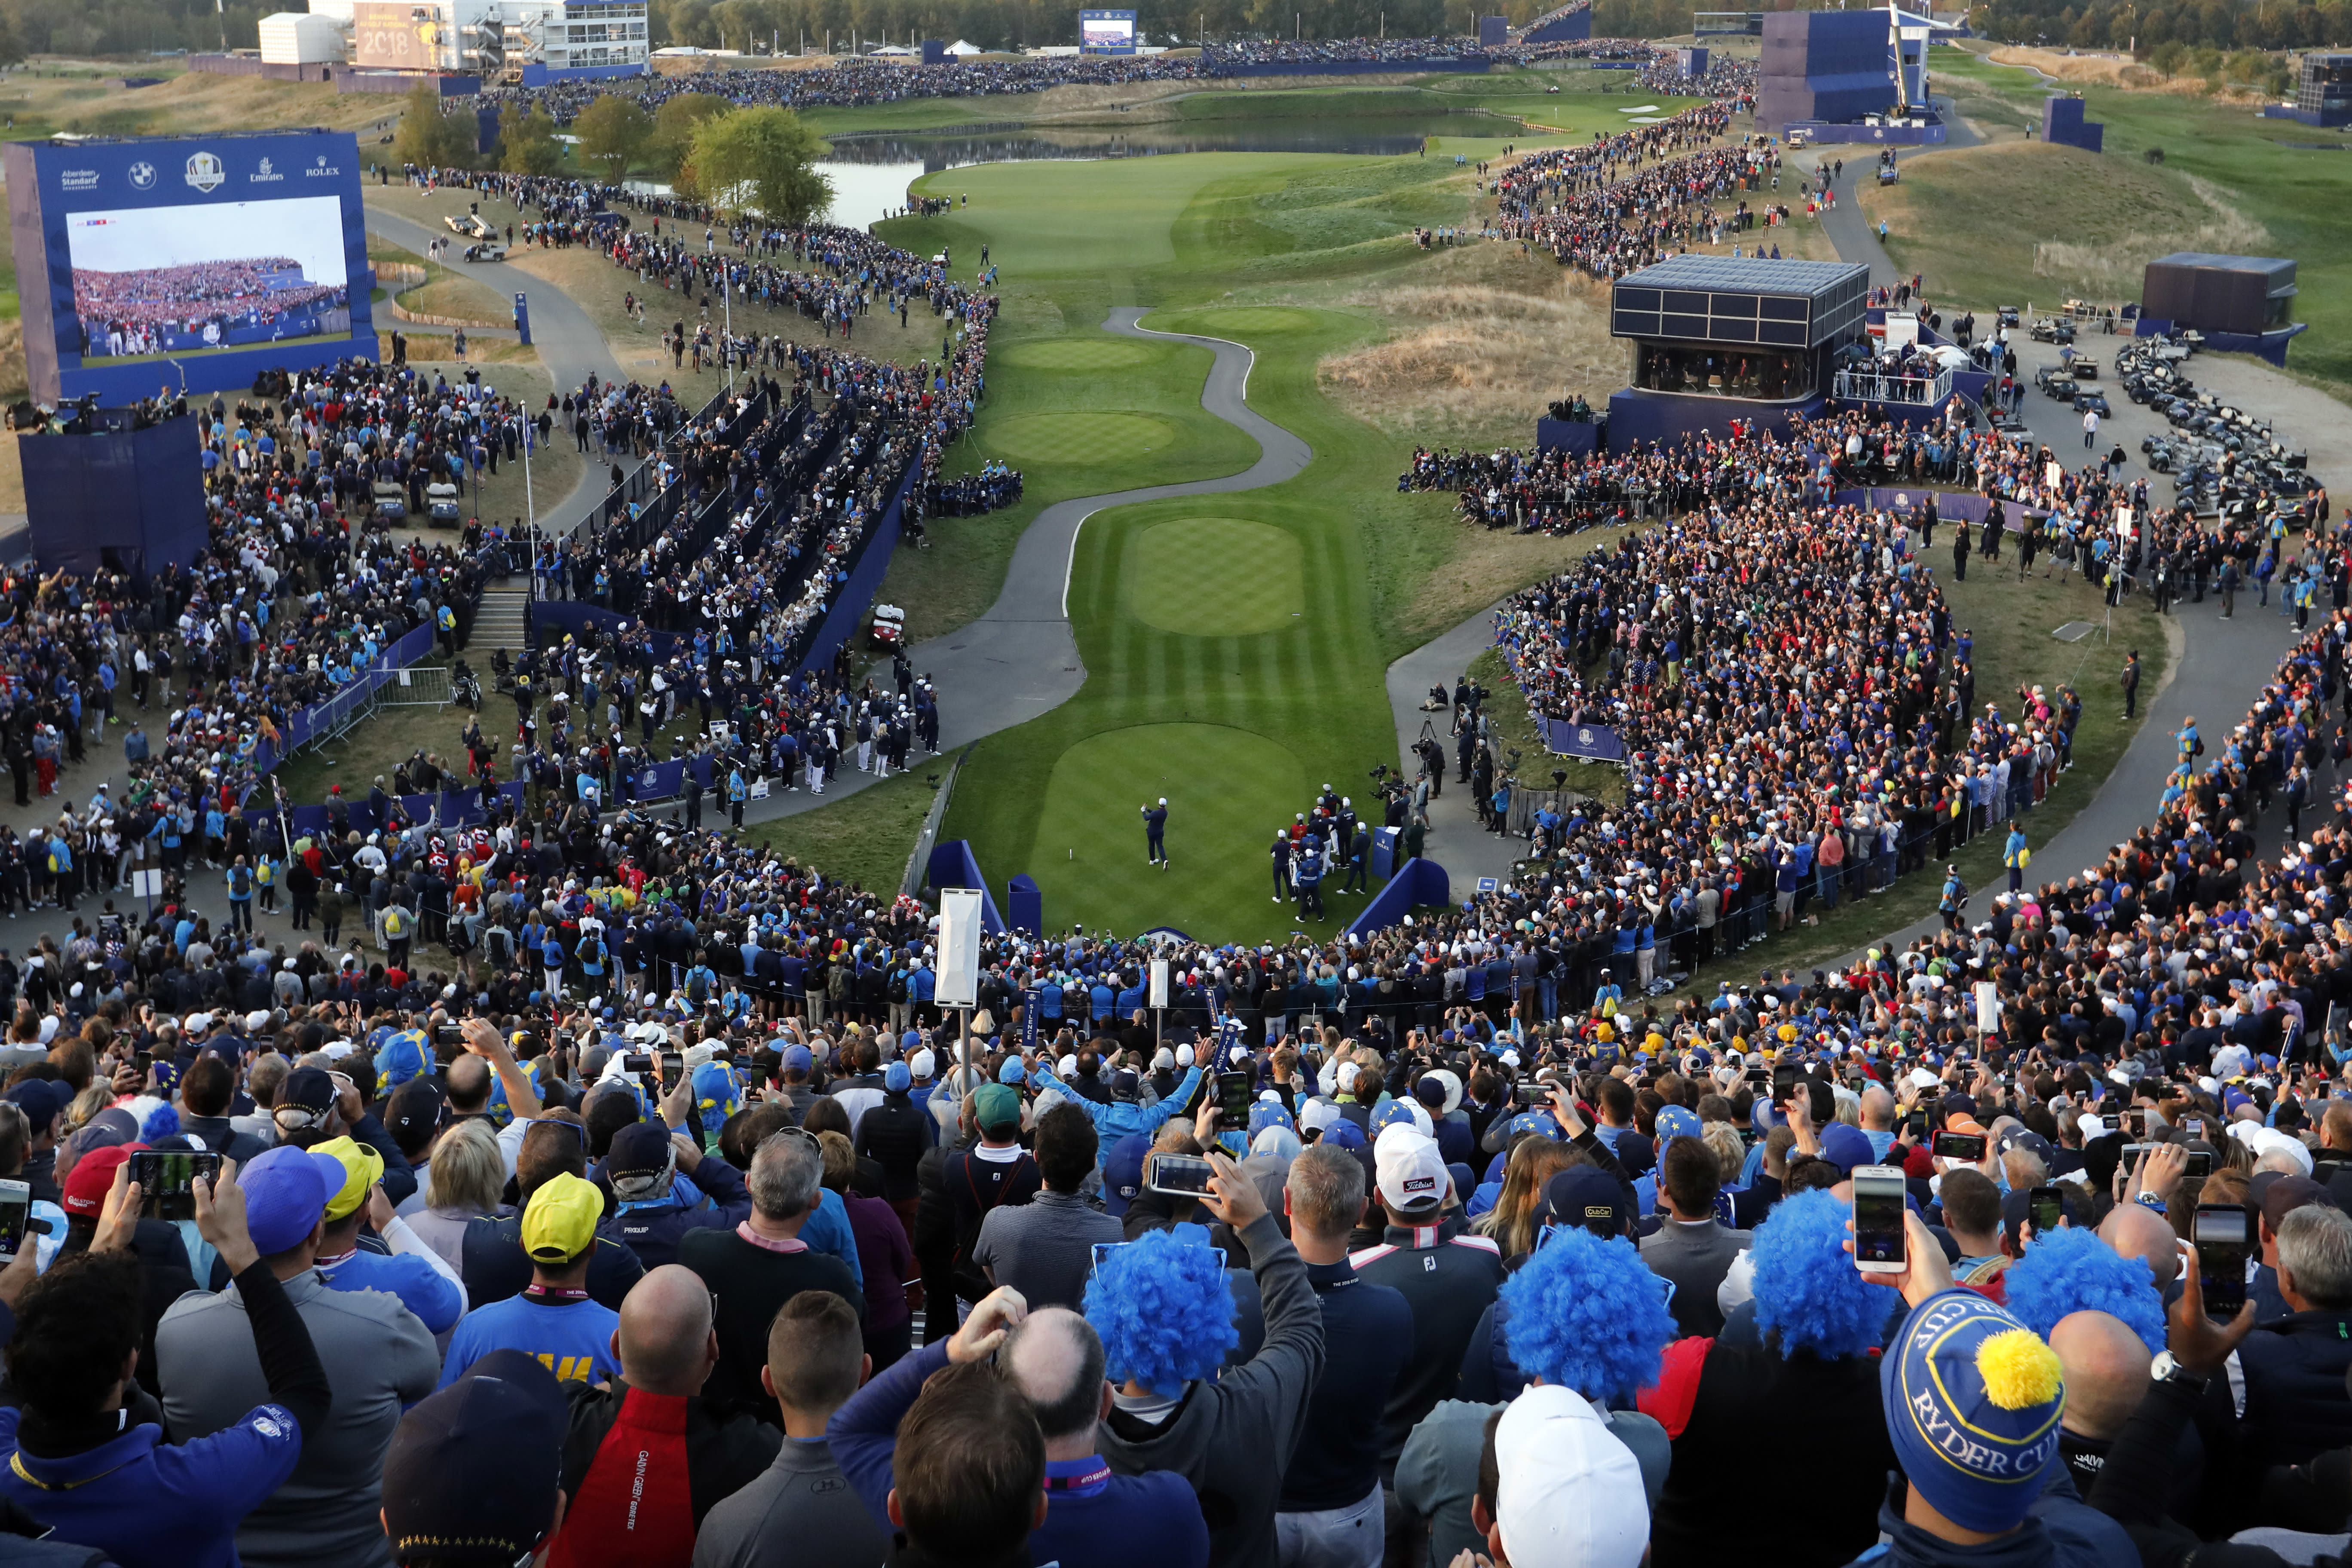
(761, 161)
(429, 138)
(614, 134)
(530, 145)
(674, 125)
(2168, 57)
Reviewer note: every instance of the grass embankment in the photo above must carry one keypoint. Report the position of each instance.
(864, 839)
(88, 102)
(460, 296)
(1996, 225)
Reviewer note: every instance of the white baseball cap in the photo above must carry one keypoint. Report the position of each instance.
(1568, 1494)
(1316, 1115)
(1409, 1173)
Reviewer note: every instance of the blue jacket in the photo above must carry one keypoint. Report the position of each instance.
(150, 1504)
(1121, 1118)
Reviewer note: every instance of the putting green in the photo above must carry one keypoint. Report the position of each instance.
(1222, 786)
(1079, 437)
(1074, 353)
(1215, 577)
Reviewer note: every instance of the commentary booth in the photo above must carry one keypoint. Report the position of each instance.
(1715, 340)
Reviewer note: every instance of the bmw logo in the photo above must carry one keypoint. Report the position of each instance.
(142, 176)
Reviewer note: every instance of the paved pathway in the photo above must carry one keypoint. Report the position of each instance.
(1455, 839)
(569, 343)
(1020, 659)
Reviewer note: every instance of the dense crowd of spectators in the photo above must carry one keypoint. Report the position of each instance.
(858, 82)
(1497, 1258)
(1477, 1207)
(197, 672)
(1620, 202)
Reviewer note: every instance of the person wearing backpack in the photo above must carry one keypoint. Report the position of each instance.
(1955, 902)
(265, 878)
(395, 928)
(240, 895)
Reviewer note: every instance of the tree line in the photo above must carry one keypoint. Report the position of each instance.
(759, 163)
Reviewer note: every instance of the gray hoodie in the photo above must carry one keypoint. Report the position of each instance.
(1233, 1440)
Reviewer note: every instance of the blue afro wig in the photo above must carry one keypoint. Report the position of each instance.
(2070, 1271)
(1808, 1291)
(1163, 1311)
(1587, 1314)
(162, 1123)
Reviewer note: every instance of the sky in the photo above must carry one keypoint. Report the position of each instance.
(310, 229)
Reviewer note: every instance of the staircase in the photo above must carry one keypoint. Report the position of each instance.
(500, 623)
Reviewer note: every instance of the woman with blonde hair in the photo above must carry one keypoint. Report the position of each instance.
(1532, 1165)
(463, 1181)
(1731, 1155)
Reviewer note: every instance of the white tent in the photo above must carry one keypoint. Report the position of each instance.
(963, 47)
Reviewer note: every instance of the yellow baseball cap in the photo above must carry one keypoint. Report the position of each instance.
(362, 1169)
(561, 1223)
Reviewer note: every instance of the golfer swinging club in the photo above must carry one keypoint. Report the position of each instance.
(1155, 830)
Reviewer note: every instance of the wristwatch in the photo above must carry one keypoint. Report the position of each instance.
(2149, 1200)
(2164, 1369)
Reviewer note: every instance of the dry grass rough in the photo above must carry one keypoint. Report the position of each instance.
(1475, 357)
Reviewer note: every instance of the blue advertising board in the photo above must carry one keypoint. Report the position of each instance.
(1106, 32)
(190, 263)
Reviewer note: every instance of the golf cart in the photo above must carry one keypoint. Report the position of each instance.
(441, 504)
(487, 250)
(391, 503)
(889, 628)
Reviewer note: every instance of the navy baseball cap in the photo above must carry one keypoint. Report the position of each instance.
(1123, 1171)
(1585, 1195)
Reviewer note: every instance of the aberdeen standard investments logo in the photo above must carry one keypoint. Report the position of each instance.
(204, 171)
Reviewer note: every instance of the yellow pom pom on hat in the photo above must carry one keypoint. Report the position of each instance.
(2019, 1371)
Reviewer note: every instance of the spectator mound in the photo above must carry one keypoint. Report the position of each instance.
(1215, 577)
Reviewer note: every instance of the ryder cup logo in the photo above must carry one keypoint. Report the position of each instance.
(204, 171)
(142, 176)
(1584, 737)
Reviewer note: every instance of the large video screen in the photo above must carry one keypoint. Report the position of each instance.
(1106, 32)
(199, 279)
(188, 264)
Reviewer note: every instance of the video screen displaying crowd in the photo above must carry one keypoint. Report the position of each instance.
(137, 312)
